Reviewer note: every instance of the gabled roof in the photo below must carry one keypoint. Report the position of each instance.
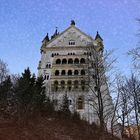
(72, 26)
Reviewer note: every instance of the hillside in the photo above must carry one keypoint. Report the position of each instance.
(50, 128)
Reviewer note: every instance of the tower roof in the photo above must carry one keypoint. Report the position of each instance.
(98, 36)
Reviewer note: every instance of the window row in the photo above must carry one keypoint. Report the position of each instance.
(69, 82)
(69, 72)
(70, 61)
(71, 53)
(71, 42)
(79, 102)
(54, 54)
(85, 53)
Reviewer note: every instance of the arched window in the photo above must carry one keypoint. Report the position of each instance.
(83, 85)
(48, 77)
(57, 72)
(76, 61)
(56, 85)
(80, 103)
(64, 61)
(62, 84)
(69, 83)
(70, 61)
(52, 55)
(63, 72)
(71, 42)
(47, 66)
(82, 72)
(58, 61)
(45, 77)
(82, 82)
(82, 61)
(69, 72)
(76, 72)
(75, 84)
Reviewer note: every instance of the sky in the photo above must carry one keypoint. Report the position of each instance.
(24, 24)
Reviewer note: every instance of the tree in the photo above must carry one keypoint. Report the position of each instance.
(135, 55)
(65, 105)
(129, 105)
(115, 129)
(39, 97)
(24, 93)
(123, 109)
(29, 95)
(133, 90)
(3, 71)
(99, 64)
(5, 95)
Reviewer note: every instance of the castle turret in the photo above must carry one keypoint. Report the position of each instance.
(99, 41)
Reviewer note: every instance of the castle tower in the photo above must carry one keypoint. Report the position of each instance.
(64, 66)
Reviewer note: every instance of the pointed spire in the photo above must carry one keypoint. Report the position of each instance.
(55, 33)
(72, 22)
(47, 37)
(98, 36)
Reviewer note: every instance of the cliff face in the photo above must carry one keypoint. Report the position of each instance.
(50, 128)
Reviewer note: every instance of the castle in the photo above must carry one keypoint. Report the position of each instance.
(64, 65)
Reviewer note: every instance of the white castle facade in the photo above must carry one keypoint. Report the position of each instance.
(64, 66)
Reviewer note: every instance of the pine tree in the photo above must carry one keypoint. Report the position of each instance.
(24, 93)
(5, 94)
(65, 105)
(39, 97)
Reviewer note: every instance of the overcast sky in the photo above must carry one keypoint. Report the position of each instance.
(24, 23)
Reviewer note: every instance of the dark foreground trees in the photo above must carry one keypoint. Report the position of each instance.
(23, 97)
(29, 94)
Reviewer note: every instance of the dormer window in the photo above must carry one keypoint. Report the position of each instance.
(71, 42)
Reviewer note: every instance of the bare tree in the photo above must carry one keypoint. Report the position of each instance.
(3, 71)
(115, 128)
(123, 109)
(135, 55)
(133, 90)
(99, 64)
(129, 105)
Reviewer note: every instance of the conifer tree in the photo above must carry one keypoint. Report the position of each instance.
(24, 93)
(39, 97)
(5, 93)
(65, 105)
